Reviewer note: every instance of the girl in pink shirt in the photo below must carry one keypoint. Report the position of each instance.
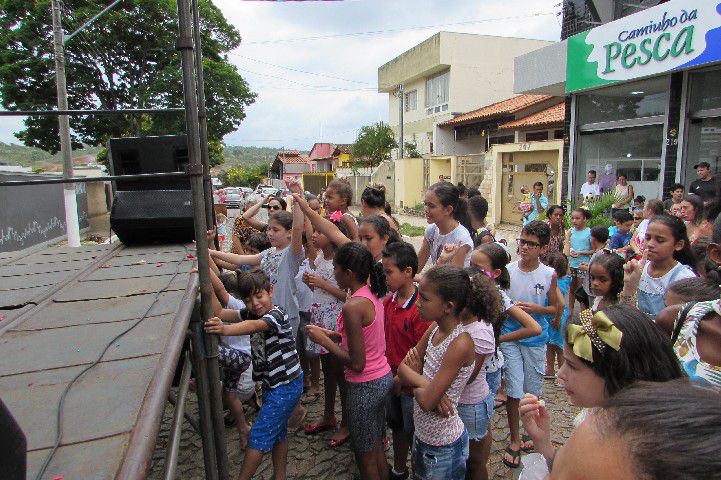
(362, 347)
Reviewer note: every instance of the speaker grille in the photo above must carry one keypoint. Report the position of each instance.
(152, 216)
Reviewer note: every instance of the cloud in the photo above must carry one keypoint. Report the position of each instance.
(293, 108)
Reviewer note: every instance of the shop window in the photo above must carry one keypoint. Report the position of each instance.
(704, 125)
(628, 101)
(705, 91)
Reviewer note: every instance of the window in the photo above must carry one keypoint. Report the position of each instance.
(703, 141)
(411, 100)
(437, 93)
(633, 100)
(558, 134)
(536, 136)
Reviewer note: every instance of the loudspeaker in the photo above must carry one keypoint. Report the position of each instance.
(136, 155)
(153, 216)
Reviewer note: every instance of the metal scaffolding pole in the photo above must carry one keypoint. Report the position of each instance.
(185, 45)
(202, 118)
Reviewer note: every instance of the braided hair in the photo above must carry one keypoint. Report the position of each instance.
(358, 259)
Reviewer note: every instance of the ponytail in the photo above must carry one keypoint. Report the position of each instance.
(358, 259)
(678, 230)
(378, 280)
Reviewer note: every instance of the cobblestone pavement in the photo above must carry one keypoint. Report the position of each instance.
(309, 458)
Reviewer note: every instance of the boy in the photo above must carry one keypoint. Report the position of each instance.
(275, 362)
(404, 329)
(624, 223)
(599, 238)
(533, 289)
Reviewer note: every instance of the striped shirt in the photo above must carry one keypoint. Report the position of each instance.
(275, 359)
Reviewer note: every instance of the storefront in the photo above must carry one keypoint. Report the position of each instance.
(645, 96)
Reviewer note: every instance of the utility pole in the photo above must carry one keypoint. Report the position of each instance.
(401, 100)
(72, 224)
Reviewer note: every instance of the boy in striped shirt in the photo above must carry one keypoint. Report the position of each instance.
(275, 363)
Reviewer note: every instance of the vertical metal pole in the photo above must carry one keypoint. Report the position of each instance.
(72, 225)
(202, 391)
(202, 119)
(185, 45)
(401, 100)
(176, 430)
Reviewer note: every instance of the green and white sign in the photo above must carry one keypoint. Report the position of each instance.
(672, 36)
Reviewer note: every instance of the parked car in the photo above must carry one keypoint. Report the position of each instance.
(261, 193)
(233, 197)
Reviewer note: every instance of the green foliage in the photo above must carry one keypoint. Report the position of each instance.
(33, 157)
(411, 231)
(126, 59)
(38, 170)
(411, 149)
(374, 144)
(243, 176)
(600, 209)
(236, 155)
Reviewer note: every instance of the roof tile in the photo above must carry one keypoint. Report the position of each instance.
(504, 107)
(550, 116)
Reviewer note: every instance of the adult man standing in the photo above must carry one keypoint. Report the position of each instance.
(590, 189)
(705, 186)
(538, 201)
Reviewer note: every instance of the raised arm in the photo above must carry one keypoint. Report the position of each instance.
(220, 292)
(296, 237)
(249, 215)
(237, 260)
(322, 225)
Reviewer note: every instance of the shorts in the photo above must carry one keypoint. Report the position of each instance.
(524, 369)
(493, 380)
(447, 462)
(475, 417)
(234, 363)
(301, 340)
(578, 273)
(399, 414)
(271, 424)
(366, 411)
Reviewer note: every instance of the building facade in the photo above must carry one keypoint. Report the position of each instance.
(449, 72)
(643, 86)
(288, 165)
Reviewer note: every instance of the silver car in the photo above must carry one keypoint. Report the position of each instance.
(233, 197)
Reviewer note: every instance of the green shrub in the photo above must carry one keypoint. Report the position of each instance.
(412, 231)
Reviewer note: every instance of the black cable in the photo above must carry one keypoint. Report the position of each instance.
(61, 402)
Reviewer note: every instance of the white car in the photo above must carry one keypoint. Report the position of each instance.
(233, 197)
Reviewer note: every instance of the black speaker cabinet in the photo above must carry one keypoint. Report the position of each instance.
(152, 216)
(139, 155)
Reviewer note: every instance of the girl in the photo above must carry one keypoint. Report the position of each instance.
(328, 300)
(338, 197)
(444, 211)
(375, 232)
(362, 351)
(692, 212)
(558, 233)
(438, 369)
(666, 259)
(554, 348)
(653, 207)
(606, 280)
(477, 211)
(373, 202)
(604, 353)
(483, 311)
(578, 250)
(220, 221)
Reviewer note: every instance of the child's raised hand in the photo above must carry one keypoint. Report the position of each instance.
(294, 185)
(632, 271)
(215, 325)
(537, 423)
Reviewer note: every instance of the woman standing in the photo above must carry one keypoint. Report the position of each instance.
(692, 213)
(624, 194)
(558, 234)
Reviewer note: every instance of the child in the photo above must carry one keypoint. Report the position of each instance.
(639, 202)
(373, 202)
(328, 300)
(444, 210)
(404, 329)
(666, 259)
(554, 349)
(483, 310)
(362, 351)
(604, 353)
(621, 239)
(438, 369)
(525, 205)
(692, 290)
(220, 221)
(491, 259)
(338, 197)
(599, 239)
(477, 211)
(605, 279)
(578, 249)
(534, 290)
(275, 362)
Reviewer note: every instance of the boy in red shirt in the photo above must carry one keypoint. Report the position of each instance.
(404, 329)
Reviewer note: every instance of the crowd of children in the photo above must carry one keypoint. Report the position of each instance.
(428, 345)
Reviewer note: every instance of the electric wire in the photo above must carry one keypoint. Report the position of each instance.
(63, 395)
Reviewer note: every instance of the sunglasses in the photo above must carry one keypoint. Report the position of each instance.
(272, 207)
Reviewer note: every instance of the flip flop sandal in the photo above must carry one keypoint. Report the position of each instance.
(525, 439)
(515, 454)
(314, 428)
(499, 404)
(333, 443)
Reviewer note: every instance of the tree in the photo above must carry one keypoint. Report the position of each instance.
(412, 148)
(374, 144)
(126, 59)
(243, 176)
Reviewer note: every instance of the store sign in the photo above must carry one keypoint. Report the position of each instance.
(672, 36)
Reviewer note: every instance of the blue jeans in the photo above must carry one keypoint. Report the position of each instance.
(494, 382)
(447, 462)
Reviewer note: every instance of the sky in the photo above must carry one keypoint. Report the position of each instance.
(337, 94)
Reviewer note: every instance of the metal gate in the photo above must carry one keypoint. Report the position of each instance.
(470, 170)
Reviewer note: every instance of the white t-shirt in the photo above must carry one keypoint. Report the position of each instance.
(495, 362)
(305, 294)
(238, 342)
(458, 234)
(659, 286)
(590, 190)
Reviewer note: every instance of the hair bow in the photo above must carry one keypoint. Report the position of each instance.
(596, 330)
(336, 216)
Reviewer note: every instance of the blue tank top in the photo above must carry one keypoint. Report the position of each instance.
(580, 242)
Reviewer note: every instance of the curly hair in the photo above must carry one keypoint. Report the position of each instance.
(485, 300)
(342, 187)
(613, 264)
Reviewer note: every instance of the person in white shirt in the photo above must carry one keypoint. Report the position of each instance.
(590, 189)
